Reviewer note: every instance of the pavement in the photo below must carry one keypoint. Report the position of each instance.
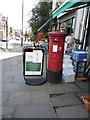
(20, 100)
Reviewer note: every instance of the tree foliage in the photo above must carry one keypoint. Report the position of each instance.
(40, 14)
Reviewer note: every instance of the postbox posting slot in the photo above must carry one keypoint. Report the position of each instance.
(55, 41)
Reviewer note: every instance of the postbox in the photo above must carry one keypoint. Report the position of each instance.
(55, 57)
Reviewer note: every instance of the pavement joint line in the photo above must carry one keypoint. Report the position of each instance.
(55, 107)
(79, 87)
(8, 97)
(15, 111)
(80, 98)
(10, 116)
(56, 95)
(55, 111)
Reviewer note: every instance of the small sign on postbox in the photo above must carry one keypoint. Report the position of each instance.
(33, 60)
(55, 48)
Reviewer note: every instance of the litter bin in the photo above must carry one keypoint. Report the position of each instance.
(33, 61)
(55, 58)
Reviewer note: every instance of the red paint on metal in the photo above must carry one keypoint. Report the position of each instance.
(56, 50)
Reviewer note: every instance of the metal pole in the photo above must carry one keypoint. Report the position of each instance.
(44, 24)
(22, 23)
(6, 32)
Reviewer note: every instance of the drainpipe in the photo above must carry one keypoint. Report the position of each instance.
(85, 29)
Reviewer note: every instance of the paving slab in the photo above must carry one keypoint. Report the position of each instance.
(65, 100)
(5, 96)
(19, 98)
(25, 87)
(13, 73)
(10, 87)
(40, 97)
(32, 101)
(80, 94)
(1, 77)
(6, 79)
(0, 98)
(0, 87)
(0, 112)
(39, 88)
(15, 62)
(17, 68)
(84, 85)
(18, 79)
(77, 111)
(8, 111)
(0, 65)
(4, 68)
(9, 65)
(6, 62)
(62, 88)
(35, 111)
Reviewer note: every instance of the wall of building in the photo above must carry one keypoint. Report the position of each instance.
(81, 26)
(81, 22)
(57, 3)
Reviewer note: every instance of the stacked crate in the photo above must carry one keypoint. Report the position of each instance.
(79, 62)
(68, 73)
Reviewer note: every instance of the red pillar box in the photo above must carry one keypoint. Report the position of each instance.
(55, 59)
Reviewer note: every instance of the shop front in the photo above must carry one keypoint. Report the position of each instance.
(73, 18)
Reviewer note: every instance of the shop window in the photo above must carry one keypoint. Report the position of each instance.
(63, 27)
(68, 26)
(58, 26)
(53, 28)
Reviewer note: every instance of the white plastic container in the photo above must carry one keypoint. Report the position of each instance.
(68, 75)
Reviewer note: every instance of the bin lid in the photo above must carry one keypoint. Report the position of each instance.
(81, 52)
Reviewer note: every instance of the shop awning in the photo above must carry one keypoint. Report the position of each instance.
(63, 8)
(70, 4)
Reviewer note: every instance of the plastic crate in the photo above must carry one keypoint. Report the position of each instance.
(79, 64)
(80, 74)
(69, 78)
(78, 69)
(80, 56)
(76, 50)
